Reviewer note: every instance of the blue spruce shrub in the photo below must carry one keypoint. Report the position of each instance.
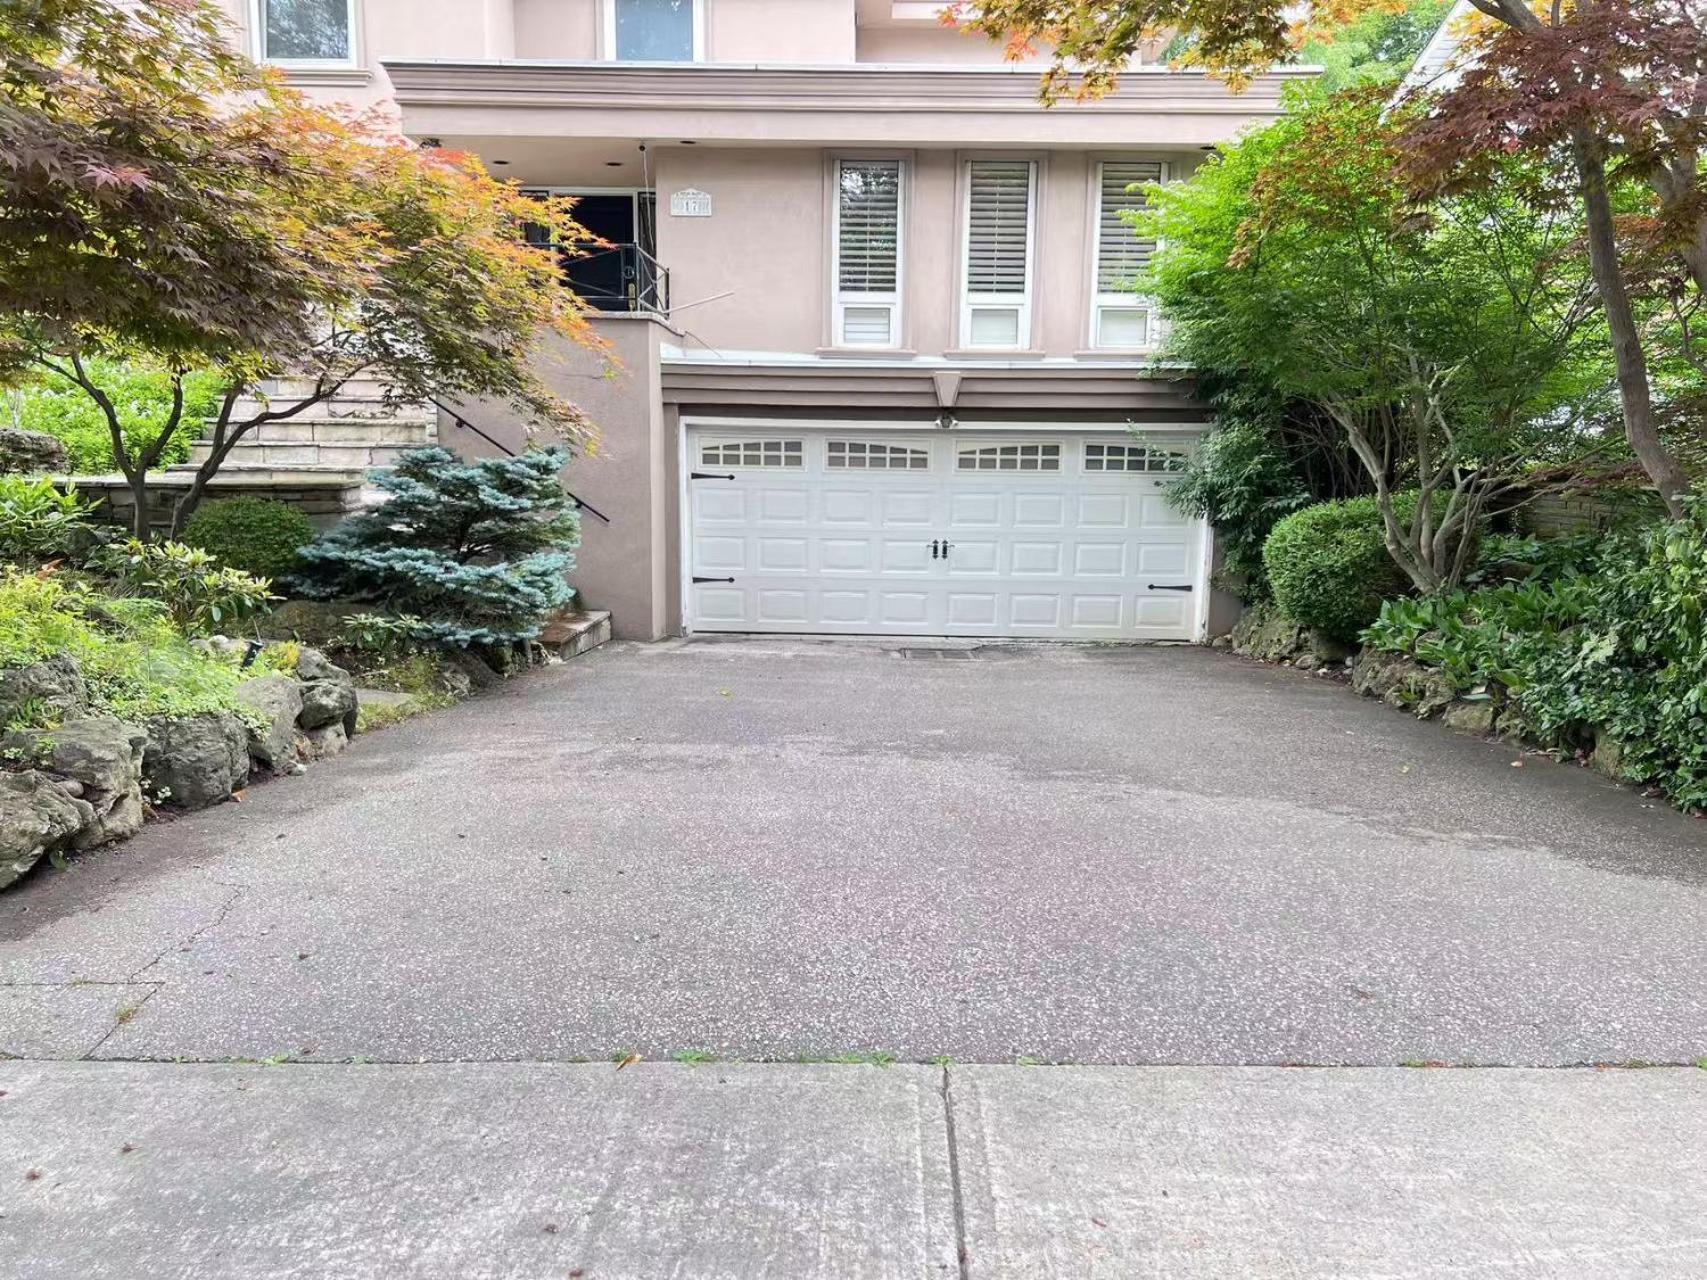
(472, 554)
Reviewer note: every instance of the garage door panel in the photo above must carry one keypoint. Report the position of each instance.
(782, 607)
(1039, 511)
(845, 608)
(1037, 558)
(1102, 511)
(720, 554)
(782, 555)
(1033, 610)
(973, 609)
(850, 506)
(904, 608)
(1164, 559)
(1158, 513)
(722, 505)
(907, 555)
(1097, 612)
(1099, 560)
(974, 556)
(914, 509)
(784, 506)
(1037, 546)
(975, 511)
(847, 555)
(720, 604)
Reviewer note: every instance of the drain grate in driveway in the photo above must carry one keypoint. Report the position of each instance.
(937, 655)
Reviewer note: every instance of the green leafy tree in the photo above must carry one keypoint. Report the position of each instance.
(1603, 96)
(467, 554)
(140, 395)
(1453, 347)
(168, 200)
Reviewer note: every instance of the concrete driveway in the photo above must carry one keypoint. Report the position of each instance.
(778, 849)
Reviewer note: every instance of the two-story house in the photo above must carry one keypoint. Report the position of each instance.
(879, 370)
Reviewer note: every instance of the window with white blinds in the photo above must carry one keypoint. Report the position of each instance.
(1119, 317)
(868, 253)
(1000, 204)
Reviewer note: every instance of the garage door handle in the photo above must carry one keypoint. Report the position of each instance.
(708, 475)
(698, 580)
(1154, 587)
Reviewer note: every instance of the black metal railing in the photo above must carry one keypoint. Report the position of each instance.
(623, 277)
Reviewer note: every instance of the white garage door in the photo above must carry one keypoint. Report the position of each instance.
(894, 532)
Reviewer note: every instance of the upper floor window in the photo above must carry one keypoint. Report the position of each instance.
(308, 32)
(1119, 317)
(868, 253)
(654, 30)
(1000, 203)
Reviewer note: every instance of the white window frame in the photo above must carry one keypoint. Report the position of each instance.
(846, 299)
(607, 31)
(258, 25)
(1125, 301)
(970, 301)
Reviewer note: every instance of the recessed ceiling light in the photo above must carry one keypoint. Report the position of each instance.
(689, 142)
(500, 163)
(613, 164)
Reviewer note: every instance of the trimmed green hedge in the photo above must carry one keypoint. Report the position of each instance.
(1329, 568)
(260, 536)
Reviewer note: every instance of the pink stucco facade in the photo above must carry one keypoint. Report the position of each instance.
(737, 149)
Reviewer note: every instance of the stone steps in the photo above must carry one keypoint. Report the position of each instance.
(354, 432)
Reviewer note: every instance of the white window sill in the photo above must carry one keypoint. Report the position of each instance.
(858, 353)
(310, 74)
(994, 353)
(1115, 353)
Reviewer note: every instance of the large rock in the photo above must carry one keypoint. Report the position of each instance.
(36, 818)
(196, 761)
(1472, 717)
(53, 689)
(1264, 632)
(32, 451)
(101, 757)
(278, 698)
(328, 693)
(1401, 682)
(325, 742)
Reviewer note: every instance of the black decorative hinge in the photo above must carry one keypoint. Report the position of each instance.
(697, 580)
(707, 475)
(1154, 587)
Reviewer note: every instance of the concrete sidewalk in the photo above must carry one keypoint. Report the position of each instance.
(523, 1170)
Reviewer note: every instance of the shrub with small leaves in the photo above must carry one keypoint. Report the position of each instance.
(199, 594)
(1329, 568)
(260, 536)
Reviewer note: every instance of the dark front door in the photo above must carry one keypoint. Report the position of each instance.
(599, 275)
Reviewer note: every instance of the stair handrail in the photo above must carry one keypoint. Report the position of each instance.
(461, 421)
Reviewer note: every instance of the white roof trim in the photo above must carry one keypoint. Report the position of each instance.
(1438, 67)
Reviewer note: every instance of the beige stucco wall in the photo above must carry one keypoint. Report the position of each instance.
(763, 257)
(630, 475)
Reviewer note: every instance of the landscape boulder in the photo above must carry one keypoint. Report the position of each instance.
(1472, 716)
(325, 742)
(37, 818)
(1265, 633)
(196, 761)
(53, 687)
(1401, 682)
(278, 699)
(30, 451)
(328, 694)
(101, 760)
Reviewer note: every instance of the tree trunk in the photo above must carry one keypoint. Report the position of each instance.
(1641, 428)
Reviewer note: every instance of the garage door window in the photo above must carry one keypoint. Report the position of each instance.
(1131, 457)
(754, 453)
(860, 455)
(1011, 457)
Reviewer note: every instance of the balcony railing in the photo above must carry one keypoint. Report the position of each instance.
(623, 277)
